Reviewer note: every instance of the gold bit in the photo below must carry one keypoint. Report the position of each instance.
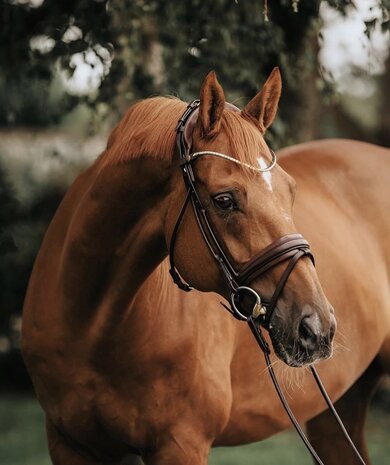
(258, 310)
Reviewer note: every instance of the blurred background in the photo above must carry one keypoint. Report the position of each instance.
(69, 69)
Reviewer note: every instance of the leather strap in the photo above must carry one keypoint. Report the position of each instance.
(265, 348)
(275, 253)
(291, 247)
(172, 269)
(262, 343)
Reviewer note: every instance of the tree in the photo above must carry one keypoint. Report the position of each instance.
(383, 135)
(146, 47)
(153, 46)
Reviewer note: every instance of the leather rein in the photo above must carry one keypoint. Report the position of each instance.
(291, 248)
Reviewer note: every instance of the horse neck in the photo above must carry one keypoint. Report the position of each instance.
(115, 237)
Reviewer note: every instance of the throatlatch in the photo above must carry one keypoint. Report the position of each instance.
(289, 248)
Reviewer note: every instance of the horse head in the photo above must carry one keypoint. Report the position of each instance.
(239, 234)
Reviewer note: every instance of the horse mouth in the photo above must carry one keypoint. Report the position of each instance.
(294, 355)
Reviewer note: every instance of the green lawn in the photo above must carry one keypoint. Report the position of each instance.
(22, 432)
(22, 440)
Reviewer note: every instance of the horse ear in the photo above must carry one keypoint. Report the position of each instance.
(264, 105)
(212, 104)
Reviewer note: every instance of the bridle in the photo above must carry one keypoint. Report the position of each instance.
(291, 248)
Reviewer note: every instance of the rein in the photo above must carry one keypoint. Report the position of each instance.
(291, 248)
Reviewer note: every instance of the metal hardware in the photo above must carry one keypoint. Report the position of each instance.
(258, 308)
(291, 247)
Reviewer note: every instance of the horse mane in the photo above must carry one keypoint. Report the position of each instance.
(148, 129)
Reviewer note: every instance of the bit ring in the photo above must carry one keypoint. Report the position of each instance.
(258, 308)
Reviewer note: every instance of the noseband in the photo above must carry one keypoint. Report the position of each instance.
(291, 247)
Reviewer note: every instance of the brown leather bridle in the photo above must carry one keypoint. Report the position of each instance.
(291, 247)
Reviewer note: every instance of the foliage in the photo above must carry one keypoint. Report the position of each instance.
(22, 224)
(9, 207)
(384, 21)
(144, 47)
(230, 36)
(33, 102)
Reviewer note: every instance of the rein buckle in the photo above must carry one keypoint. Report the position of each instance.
(258, 310)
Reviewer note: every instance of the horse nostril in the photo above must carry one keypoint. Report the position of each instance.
(332, 329)
(308, 336)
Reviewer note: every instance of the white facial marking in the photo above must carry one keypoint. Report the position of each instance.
(267, 175)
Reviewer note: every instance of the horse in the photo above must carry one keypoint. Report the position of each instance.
(124, 362)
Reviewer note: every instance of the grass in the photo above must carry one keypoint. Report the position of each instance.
(286, 448)
(22, 440)
(22, 432)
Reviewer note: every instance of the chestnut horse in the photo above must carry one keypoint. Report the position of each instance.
(124, 362)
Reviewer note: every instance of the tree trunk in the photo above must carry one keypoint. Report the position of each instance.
(301, 102)
(383, 135)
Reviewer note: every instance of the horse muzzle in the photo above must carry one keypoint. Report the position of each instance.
(306, 341)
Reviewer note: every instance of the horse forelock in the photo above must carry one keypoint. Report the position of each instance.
(245, 139)
(148, 129)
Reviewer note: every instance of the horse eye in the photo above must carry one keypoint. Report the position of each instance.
(225, 201)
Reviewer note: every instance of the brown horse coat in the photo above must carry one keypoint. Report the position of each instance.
(123, 364)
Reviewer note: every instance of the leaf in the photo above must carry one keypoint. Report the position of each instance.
(7, 244)
(370, 26)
